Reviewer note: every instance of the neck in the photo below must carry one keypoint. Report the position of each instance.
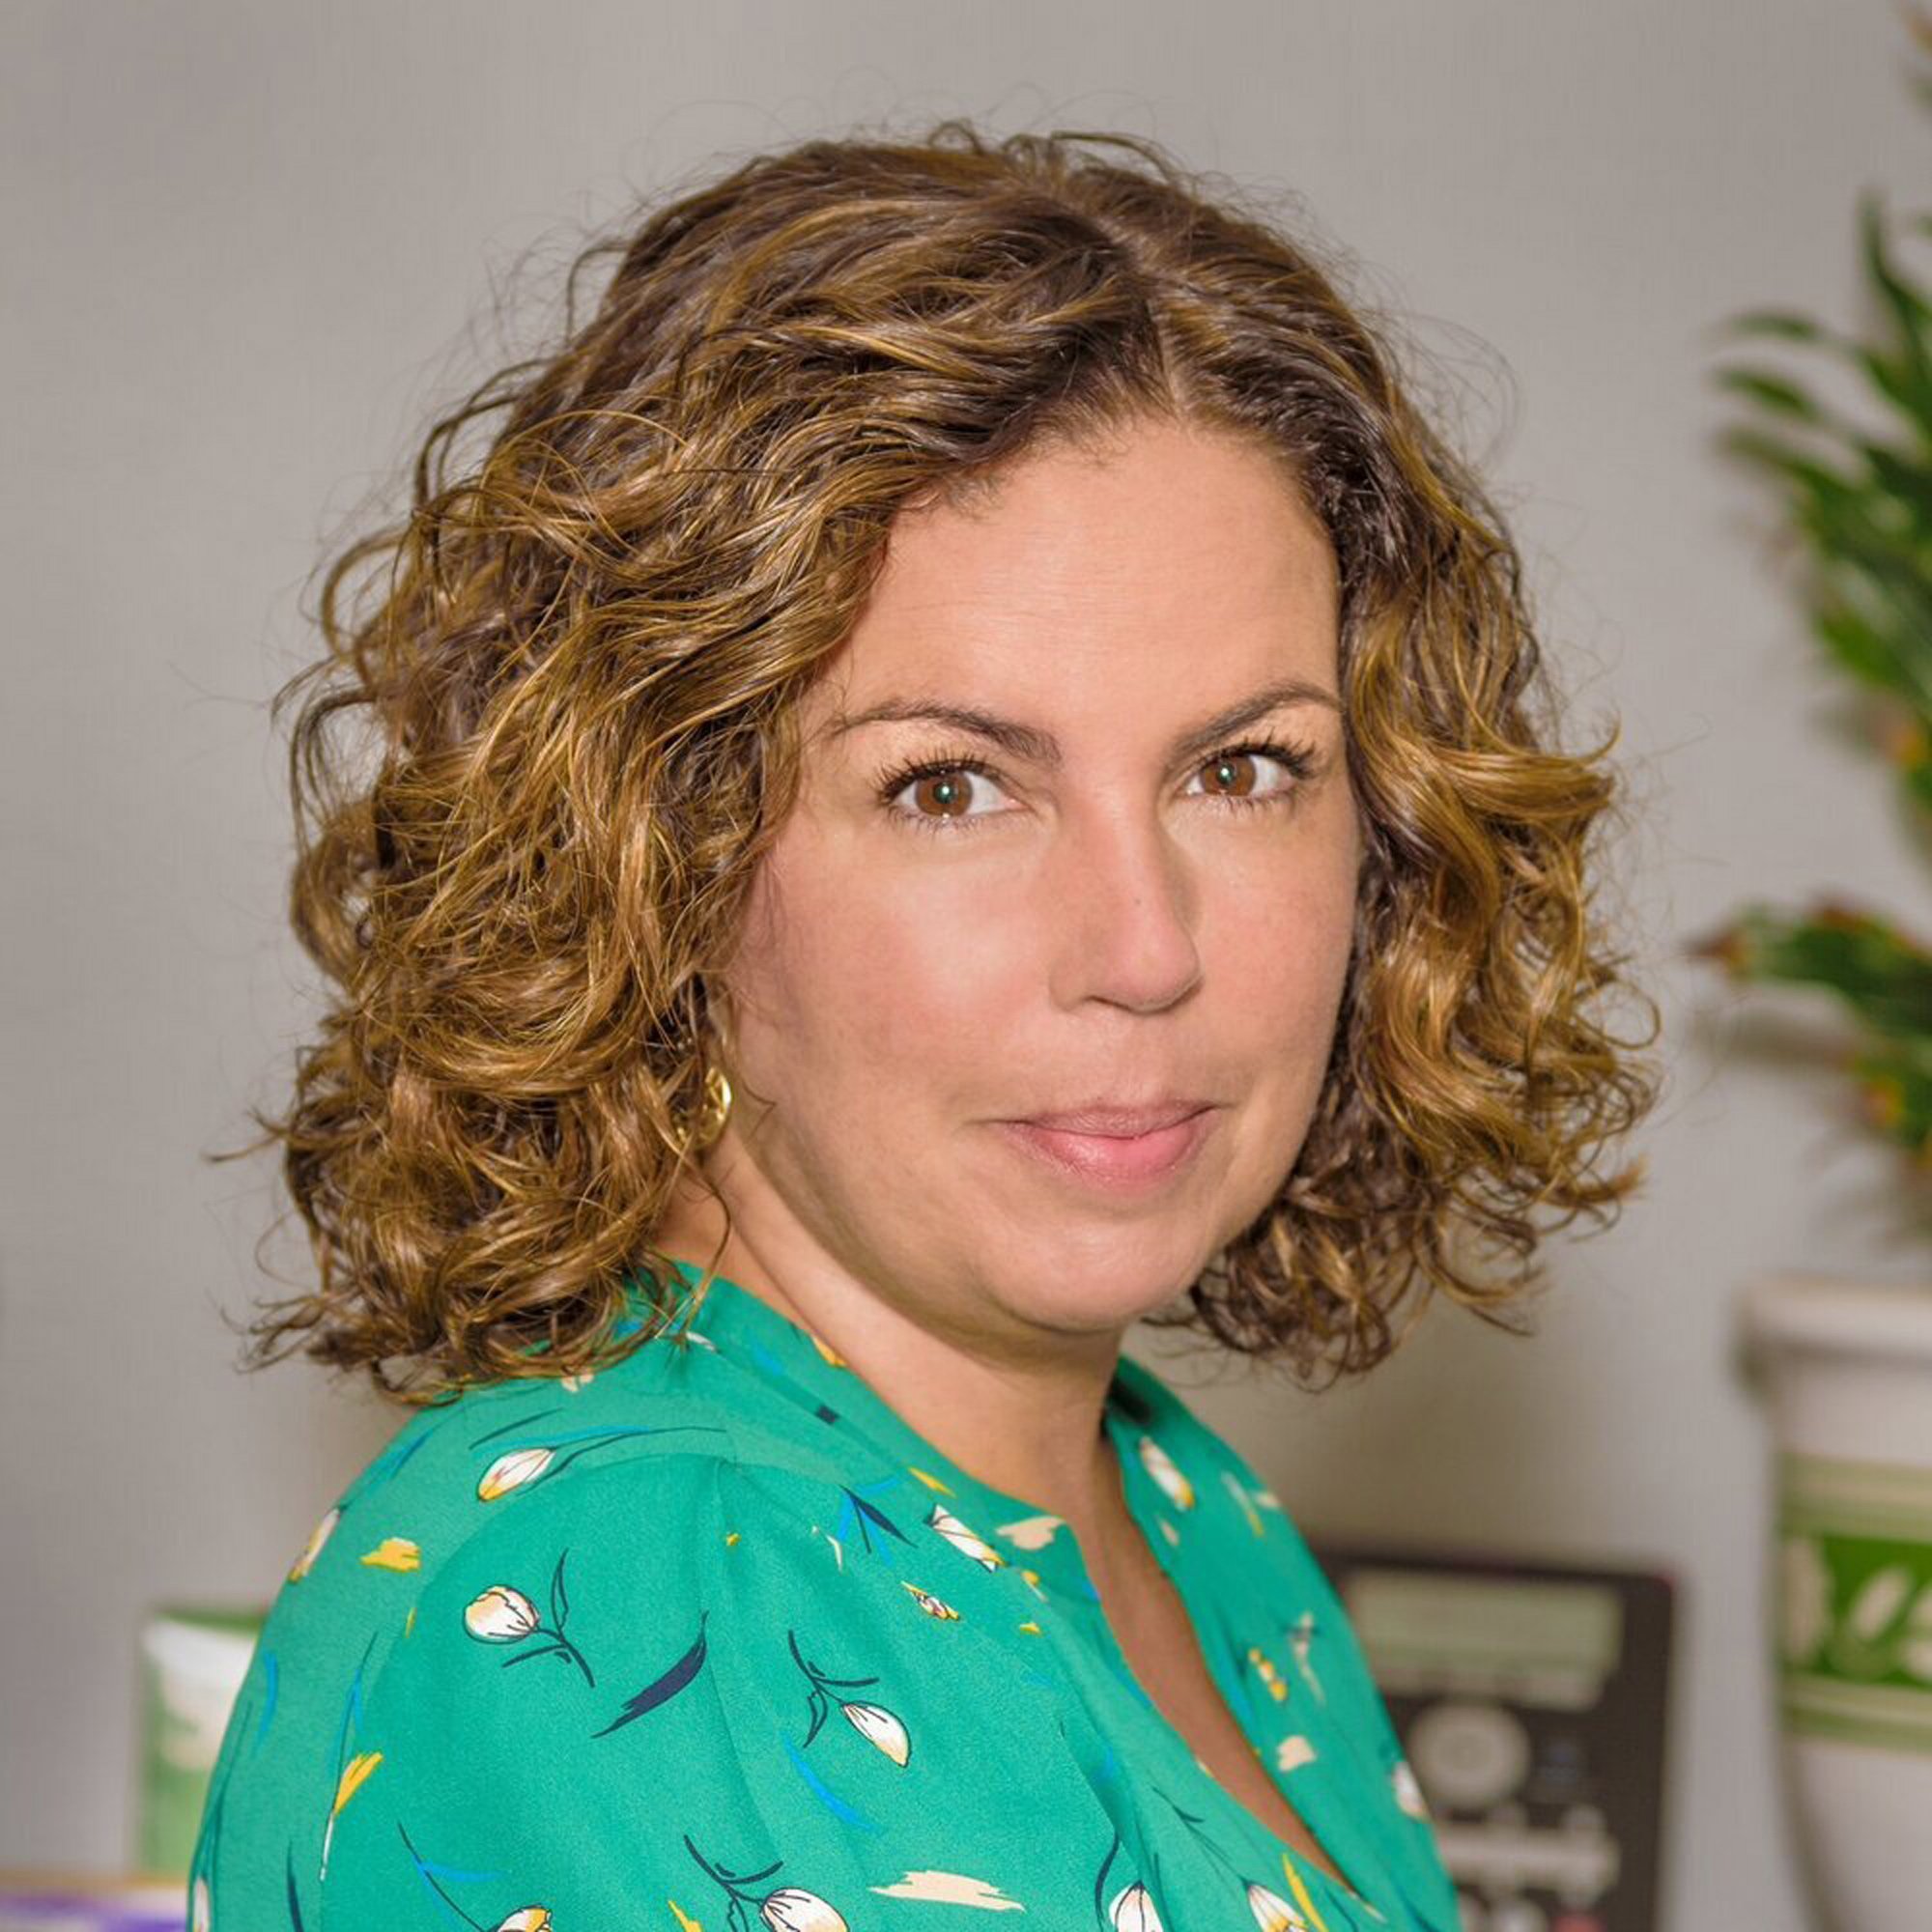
(1022, 1412)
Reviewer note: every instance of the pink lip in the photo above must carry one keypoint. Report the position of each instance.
(1120, 1161)
(1103, 1118)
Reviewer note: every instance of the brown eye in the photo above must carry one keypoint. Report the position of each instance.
(946, 791)
(1227, 772)
(1229, 775)
(943, 793)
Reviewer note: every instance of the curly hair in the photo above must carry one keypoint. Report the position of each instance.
(579, 658)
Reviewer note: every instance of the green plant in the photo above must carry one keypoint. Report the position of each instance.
(1860, 505)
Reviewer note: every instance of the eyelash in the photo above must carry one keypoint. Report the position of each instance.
(1299, 759)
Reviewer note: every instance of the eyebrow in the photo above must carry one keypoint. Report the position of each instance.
(1042, 748)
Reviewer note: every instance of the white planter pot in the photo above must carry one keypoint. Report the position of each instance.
(1846, 1371)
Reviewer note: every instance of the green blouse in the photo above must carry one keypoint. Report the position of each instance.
(799, 1672)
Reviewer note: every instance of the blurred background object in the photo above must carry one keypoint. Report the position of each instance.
(1532, 1701)
(192, 1664)
(1846, 1366)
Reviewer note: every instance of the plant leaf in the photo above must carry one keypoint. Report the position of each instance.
(1866, 653)
(1775, 392)
(1908, 309)
(1787, 324)
(1897, 1078)
(1884, 977)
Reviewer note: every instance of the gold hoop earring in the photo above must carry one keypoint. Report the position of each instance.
(717, 1111)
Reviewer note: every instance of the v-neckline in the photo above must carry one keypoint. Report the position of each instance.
(1212, 1623)
(1134, 1401)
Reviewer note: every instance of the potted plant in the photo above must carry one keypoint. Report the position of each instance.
(1845, 1367)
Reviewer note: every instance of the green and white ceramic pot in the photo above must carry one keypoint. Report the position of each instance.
(1846, 1373)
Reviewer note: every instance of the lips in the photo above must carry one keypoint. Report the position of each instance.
(1120, 1123)
(1124, 1163)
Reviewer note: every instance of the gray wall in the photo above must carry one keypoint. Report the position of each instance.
(244, 245)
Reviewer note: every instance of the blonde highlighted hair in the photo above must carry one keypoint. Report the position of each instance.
(580, 654)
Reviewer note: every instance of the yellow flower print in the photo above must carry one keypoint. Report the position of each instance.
(324, 1530)
(955, 1532)
(1160, 1466)
(573, 1383)
(1272, 1912)
(532, 1918)
(1408, 1791)
(394, 1552)
(1267, 1673)
(512, 1472)
(355, 1775)
(1132, 1911)
(201, 1910)
(833, 1358)
(501, 1615)
(931, 1604)
(1312, 1917)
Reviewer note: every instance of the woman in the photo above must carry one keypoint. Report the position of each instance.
(958, 769)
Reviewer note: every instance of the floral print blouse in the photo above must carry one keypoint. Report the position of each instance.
(796, 1671)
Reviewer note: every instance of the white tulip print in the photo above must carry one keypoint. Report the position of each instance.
(1133, 1910)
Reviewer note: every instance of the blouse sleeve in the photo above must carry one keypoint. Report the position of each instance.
(697, 1692)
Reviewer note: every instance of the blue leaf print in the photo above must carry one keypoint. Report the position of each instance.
(666, 1687)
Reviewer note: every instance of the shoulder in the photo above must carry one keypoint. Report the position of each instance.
(514, 1506)
(668, 1552)
(459, 1466)
(646, 1531)
(674, 1667)
(532, 1509)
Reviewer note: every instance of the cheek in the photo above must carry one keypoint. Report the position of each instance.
(858, 986)
(1280, 951)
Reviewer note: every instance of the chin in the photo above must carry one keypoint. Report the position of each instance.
(1098, 1287)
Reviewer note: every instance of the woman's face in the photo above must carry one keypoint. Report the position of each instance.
(1118, 900)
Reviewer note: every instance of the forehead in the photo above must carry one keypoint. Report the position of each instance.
(1167, 563)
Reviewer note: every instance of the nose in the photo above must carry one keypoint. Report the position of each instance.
(1121, 903)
